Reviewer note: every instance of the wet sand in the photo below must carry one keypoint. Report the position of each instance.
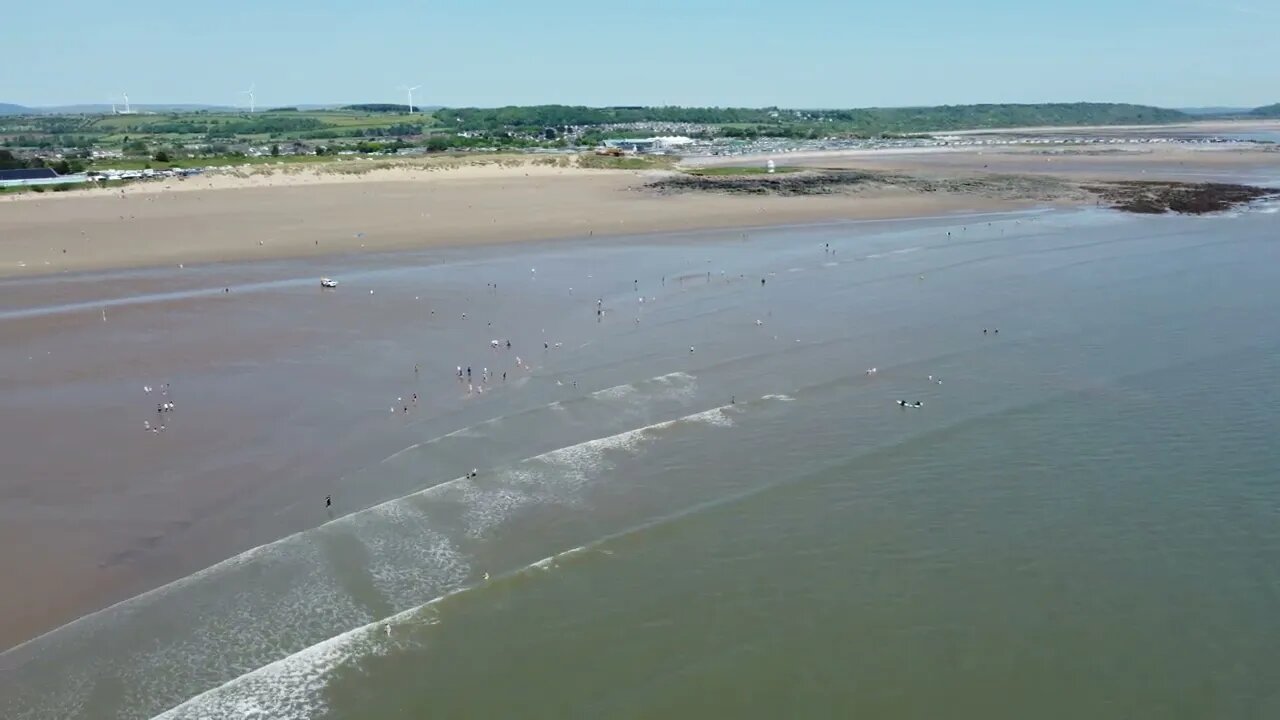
(657, 471)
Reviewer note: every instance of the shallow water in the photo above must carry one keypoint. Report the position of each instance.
(1080, 520)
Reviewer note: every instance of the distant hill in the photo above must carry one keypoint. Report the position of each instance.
(97, 108)
(377, 108)
(1216, 111)
(751, 122)
(1267, 111)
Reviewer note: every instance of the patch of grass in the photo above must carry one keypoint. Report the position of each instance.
(212, 161)
(630, 162)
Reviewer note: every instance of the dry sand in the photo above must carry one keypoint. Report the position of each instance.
(294, 211)
(309, 212)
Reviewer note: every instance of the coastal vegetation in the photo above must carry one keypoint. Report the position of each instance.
(178, 139)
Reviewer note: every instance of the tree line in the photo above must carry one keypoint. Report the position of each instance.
(867, 121)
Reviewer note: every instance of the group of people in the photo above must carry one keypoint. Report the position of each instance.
(163, 406)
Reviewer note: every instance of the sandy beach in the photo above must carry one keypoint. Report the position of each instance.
(307, 214)
(306, 211)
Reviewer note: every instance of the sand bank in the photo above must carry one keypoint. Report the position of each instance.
(350, 207)
(302, 213)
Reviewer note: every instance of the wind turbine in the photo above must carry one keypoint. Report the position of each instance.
(249, 92)
(126, 110)
(410, 91)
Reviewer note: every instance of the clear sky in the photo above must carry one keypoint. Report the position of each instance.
(790, 53)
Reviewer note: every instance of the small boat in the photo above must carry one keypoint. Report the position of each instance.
(327, 283)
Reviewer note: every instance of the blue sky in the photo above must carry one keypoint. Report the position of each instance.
(801, 53)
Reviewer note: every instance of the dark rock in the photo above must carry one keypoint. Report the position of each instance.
(800, 183)
(1155, 197)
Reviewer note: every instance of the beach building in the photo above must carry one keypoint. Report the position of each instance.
(649, 145)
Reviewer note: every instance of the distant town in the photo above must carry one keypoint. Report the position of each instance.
(42, 151)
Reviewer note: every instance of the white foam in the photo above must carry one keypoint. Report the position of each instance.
(294, 593)
(677, 383)
(674, 377)
(618, 392)
(558, 477)
(409, 561)
(292, 688)
(779, 397)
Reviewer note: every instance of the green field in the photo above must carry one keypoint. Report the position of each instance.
(236, 137)
(206, 161)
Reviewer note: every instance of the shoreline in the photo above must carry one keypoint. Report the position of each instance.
(73, 389)
(310, 215)
(349, 207)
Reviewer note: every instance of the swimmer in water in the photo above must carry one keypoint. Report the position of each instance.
(328, 501)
